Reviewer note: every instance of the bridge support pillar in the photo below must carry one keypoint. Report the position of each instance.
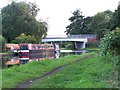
(80, 45)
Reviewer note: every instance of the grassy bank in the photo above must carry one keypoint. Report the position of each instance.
(18, 74)
(90, 73)
(91, 49)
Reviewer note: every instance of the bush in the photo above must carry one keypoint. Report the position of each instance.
(92, 45)
(70, 46)
(24, 38)
(110, 44)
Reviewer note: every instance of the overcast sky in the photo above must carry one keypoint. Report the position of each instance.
(57, 12)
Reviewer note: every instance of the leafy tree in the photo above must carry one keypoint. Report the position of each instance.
(86, 26)
(41, 29)
(79, 24)
(115, 20)
(76, 23)
(21, 18)
(100, 23)
(22, 38)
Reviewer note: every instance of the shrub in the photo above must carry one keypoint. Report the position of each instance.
(24, 38)
(70, 46)
(92, 44)
(110, 44)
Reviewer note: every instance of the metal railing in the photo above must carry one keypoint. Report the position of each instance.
(82, 36)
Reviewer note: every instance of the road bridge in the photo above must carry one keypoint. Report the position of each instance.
(80, 40)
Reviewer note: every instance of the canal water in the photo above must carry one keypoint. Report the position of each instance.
(18, 60)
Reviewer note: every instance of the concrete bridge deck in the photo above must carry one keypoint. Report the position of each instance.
(80, 40)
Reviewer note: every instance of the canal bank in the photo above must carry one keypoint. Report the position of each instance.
(8, 61)
(53, 72)
(92, 72)
(13, 76)
(19, 75)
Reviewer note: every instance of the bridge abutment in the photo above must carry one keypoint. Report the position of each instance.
(80, 45)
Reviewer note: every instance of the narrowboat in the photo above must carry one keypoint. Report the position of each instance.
(43, 50)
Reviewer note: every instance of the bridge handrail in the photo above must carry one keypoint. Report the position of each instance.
(82, 36)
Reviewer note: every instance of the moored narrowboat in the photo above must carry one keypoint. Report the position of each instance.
(44, 50)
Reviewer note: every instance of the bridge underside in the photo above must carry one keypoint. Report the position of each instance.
(80, 45)
(65, 39)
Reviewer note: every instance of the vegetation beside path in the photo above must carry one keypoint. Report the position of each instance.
(96, 72)
(13, 76)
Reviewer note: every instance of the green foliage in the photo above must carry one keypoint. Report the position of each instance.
(115, 20)
(24, 38)
(20, 18)
(86, 27)
(2, 42)
(110, 44)
(76, 23)
(100, 23)
(92, 45)
(70, 46)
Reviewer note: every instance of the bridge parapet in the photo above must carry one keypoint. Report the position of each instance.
(82, 36)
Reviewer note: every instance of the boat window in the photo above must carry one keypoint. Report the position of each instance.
(39, 47)
(33, 47)
(46, 46)
(24, 47)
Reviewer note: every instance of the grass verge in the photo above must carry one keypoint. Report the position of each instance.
(90, 73)
(12, 77)
(91, 49)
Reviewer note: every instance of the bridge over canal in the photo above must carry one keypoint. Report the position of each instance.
(80, 40)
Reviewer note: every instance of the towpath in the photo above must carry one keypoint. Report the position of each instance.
(54, 71)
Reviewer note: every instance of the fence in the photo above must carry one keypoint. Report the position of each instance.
(82, 36)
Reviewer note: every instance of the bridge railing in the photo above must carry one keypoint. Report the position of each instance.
(82, 36)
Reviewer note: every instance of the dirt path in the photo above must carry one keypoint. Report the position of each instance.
(54, 71)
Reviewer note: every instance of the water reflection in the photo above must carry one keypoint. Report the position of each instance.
(23, 59)
(19, 60)
(69, 52)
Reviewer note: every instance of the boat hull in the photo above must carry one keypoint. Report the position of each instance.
(39, 53)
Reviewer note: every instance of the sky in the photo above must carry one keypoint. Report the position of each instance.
(57, 12)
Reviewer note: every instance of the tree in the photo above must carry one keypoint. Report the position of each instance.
(21, 18)
(41, 29)
(76, 23)
(100, 23)
(79, 24)
(86, 26)
(115, 20)
(22, 38)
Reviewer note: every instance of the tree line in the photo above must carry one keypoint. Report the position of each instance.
(106, 25)
(98, 24)
(19, 20)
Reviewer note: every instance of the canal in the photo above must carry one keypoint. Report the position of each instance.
(10, 61)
